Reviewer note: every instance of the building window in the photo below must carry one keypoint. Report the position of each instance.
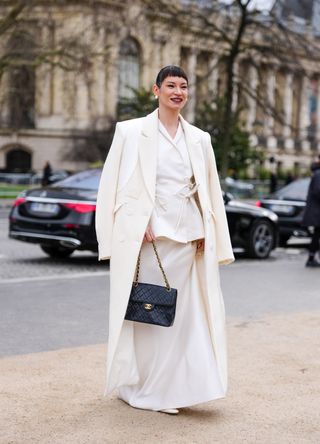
(18, 160)
(129, 68)
(22, 86)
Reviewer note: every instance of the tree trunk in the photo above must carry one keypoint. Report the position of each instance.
(227, 121)
(228, 112)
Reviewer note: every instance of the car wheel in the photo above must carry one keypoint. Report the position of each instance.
(57, 252)
(261, 239)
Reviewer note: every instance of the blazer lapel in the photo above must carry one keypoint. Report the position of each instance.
(193, 142)
(148, 144)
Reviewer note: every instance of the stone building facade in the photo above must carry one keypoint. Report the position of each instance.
(60, 106)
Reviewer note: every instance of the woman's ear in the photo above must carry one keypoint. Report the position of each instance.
(155, 90)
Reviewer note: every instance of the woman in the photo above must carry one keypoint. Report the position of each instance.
(160, 183)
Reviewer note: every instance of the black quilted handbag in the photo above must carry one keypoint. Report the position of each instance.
(149, 303)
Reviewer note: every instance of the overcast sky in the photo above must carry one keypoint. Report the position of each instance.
(259, 4)
(263, 4)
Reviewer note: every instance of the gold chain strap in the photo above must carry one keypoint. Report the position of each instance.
(136, 277)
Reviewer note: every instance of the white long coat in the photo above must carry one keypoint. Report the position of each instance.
(124, 205)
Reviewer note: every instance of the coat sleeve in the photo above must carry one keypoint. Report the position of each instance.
(315, 186)
(224, 247)
(107, 195)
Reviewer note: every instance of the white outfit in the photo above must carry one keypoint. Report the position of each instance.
(176, 365)
(176, 214)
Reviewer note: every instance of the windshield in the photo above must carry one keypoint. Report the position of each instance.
(296, 190)
(88, 180)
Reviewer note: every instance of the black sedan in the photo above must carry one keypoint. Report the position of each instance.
(289, 203)
(61, 219)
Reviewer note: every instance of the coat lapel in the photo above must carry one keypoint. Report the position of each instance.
(148, 144)
(193, 142)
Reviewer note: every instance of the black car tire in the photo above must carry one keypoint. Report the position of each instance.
(57, 252)
(261, 239)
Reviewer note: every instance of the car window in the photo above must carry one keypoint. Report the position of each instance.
(296, 190)
(88, 180)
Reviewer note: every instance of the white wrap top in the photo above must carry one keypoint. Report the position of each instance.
(176, 214)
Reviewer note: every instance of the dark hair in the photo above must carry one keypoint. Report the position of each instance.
(170, 71)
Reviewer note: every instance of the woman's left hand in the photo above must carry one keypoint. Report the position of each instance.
(200, 246)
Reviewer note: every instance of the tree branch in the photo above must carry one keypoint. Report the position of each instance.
(11, 18)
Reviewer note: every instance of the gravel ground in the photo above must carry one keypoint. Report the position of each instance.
(56, 397)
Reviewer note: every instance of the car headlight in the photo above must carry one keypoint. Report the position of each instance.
(282, 209)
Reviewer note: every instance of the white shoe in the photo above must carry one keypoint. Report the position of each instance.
(170, 411)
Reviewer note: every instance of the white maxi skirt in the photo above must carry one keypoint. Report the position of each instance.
(176, 365)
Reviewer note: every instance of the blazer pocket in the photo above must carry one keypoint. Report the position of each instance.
(127, 205)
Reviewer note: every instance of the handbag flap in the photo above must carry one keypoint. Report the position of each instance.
(153, 294)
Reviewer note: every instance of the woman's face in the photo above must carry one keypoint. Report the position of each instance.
(173, 93)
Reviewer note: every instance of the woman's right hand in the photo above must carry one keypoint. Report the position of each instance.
(148, 235)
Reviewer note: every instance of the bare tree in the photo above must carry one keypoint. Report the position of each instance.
(241, 31)
(25, 47)
(236, 27)
(71, 52)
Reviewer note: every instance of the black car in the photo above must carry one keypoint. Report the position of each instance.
(289, 203)
(61, 218)
(253, 230)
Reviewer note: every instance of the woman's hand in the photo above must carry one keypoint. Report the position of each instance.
(200, 246)
(148, 235)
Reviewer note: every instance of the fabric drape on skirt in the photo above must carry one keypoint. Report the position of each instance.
(177, 366)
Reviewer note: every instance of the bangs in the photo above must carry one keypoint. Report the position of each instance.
(170, 71)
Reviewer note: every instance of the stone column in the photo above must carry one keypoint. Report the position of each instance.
(287, 111)
(44, 79)
(57, 95)
(191, 70)
(83, 81)
(172, 52)
(251, 100)
(156, 55)
(4, 99)
(100, 75)
(271, 85)
(112, 80)
(235, 87)
(82, 101)
(147, 73)
(318, 116)
(213, 77)
(304, 114)
(57, 84)
(287, 105)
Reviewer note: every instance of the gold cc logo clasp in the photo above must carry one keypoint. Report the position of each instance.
(148, 306)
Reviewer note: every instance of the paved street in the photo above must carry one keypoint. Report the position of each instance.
(53, 315)
(63, 303)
